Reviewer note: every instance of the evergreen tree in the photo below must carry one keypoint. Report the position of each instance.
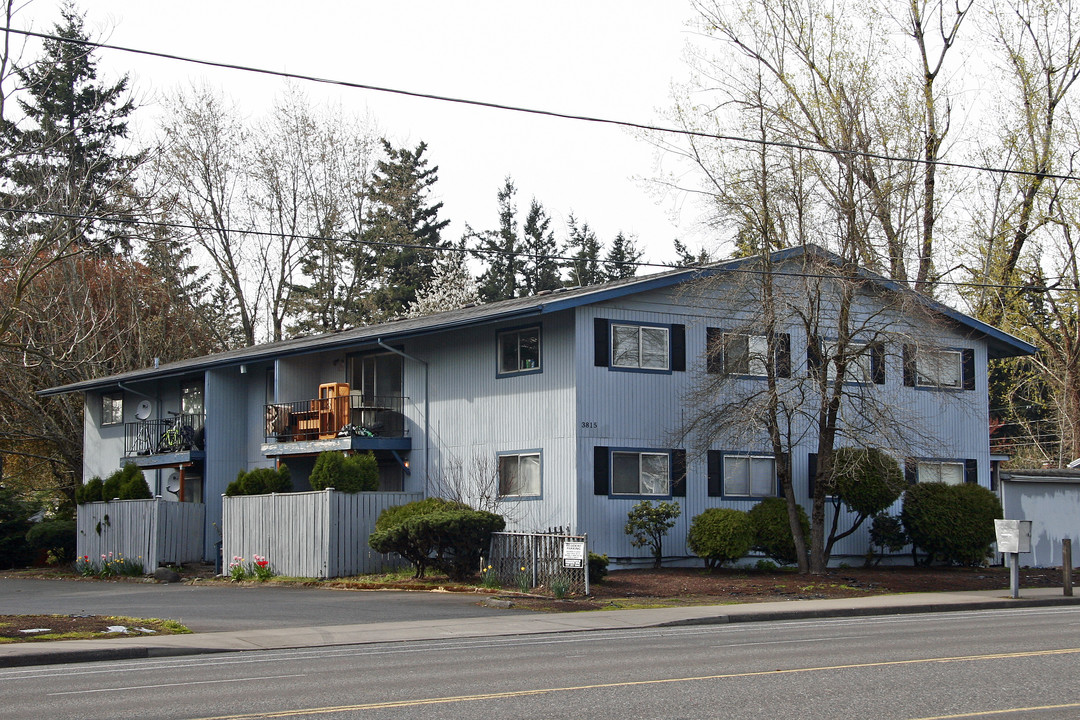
(584, 251)
(66, 160)
(499, 249)
(687, 258)
(620, 261)
(539, 268)
(405, 226)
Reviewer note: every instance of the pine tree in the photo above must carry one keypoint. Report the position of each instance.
(620, 261)
(67, 163)
(584, 250)
(499, 250)
(539, 268)
(406, 228)
(686, 257)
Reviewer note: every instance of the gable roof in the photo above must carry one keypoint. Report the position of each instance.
(999, 343)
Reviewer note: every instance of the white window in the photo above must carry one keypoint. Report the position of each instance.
(640, 473)
(745, 354)
(860, 362)
(191, 398)
(950, 473)
(112, 408)
(639, 346)
(519, 350)
(749, 476)
(519, 475)
(939, 368)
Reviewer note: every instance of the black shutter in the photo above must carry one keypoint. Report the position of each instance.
(600, 470)
(909, 365)
(600, 342)
(967, 358)
(714, 350)
(783, 355)
(678, 347)
(911, 473)
(716, 481)
(678, 473)
(811, 472)
(971, 471)
(877, 362)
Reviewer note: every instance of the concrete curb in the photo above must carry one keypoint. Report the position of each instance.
(62, 652)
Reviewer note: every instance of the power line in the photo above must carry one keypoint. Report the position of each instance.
(491, 105)
(569, 260)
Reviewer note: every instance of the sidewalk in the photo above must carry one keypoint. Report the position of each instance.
(71, 651)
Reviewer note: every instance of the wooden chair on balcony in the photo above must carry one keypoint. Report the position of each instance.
(333, 409)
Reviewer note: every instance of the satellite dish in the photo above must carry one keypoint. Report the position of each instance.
(143, 410)
(172, 483)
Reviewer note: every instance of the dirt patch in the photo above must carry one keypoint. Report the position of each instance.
(668, 587)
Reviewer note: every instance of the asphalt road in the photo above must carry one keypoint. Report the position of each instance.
(1017, 663)
(218, 607)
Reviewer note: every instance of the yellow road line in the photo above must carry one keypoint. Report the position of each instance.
(663, 681)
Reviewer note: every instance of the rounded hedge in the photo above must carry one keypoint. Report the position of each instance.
(261, 481)
(357, 473)
(400, 513)
(953, 523)
(55, 536)
(127, 483)
(867, 480)
(720, 535)
(772, 530)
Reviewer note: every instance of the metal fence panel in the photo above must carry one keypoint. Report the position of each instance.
(534, 560)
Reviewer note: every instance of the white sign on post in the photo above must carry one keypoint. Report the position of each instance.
(1013, 536)
(573, 554)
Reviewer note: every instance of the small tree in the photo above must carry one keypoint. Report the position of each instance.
(772, 529)
(647, 524)
(866, 481)
(888, 535)
(720, 535)
(261, 481)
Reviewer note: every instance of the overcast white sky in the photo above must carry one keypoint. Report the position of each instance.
(595, 57)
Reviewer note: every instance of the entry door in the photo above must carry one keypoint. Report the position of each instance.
(377, 376)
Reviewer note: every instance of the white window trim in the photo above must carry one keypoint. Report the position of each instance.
(638, 331)
(640, 485)
(750, 481)
(519, 457)
(922, 361)
(939, 466)
(860, 365)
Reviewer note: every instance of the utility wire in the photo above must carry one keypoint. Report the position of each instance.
(541, 112)
(569, 260)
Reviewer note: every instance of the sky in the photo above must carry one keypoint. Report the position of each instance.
(598, 58)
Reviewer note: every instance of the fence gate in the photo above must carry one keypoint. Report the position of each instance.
(531, 560)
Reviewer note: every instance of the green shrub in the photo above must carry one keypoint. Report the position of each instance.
(772, 529)
(867, 480)
(14, 524)
(647, 524)
(887, 535)
(400, 513)
(953, 523)
(720, 535)
(597, 567)
(53, 536)
(90, 491)
(261, 481)
(127, 483)
(357, 473)
(443, 534)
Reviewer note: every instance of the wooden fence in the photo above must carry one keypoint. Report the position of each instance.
(319, 534)
(153, 532)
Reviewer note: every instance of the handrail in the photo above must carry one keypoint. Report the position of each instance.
(345, 416)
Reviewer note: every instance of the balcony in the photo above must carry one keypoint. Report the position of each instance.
(344, 422)
(158, 443)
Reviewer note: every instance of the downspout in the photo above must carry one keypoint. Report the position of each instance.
(427, 406)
